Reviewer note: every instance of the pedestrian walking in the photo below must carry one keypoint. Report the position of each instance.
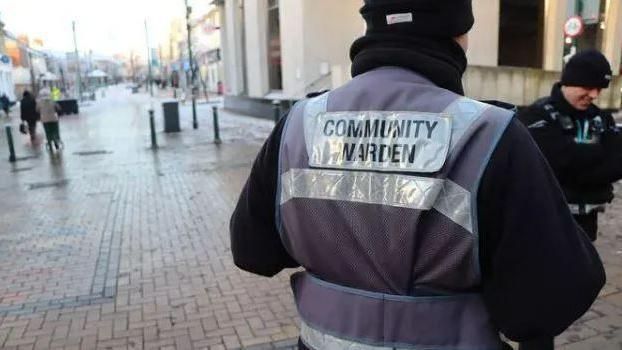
(421, 218)
(29, 114)
(580, 141)
(48, 109)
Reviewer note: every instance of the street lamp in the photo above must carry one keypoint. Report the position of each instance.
(75, 45)
(192, 68)
(150, 77)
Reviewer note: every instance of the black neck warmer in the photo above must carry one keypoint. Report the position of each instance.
(441, 60)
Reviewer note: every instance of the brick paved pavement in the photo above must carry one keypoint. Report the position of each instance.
(116, 247)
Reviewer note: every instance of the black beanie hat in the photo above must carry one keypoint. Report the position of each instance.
(587, 69)
(434, 18)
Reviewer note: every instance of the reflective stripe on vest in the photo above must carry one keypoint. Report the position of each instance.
(404, 191)
(414, 321)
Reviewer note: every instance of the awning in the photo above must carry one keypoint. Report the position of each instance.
(97, 74)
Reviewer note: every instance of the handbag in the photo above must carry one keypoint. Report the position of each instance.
(23, 128)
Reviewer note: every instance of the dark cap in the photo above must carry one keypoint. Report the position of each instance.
(587, 69)
(434, 18)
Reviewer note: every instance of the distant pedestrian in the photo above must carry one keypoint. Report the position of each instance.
(28, 114)
(47, 109)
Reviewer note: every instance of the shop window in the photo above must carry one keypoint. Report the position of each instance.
(521, 33)
(593, 14)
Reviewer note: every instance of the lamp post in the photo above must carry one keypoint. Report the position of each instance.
(75, 45)
(192, 67)
(150, 78)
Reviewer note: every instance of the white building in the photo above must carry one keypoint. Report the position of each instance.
(207, 46)
(284, 49)
(7, 85)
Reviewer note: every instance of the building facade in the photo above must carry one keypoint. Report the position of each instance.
(285, 49)
(205, 24)
(206, 31)
(518, 47)
(7, 87)
(275, 49)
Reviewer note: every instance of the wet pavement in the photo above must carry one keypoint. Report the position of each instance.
(112, 245)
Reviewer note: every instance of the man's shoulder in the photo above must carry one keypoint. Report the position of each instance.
(539, 110)
(500, 107)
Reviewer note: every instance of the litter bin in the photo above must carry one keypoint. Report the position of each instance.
(171, 116)
(68, 106)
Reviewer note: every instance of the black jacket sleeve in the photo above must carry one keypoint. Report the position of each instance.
(540, 272)
(574, 164)
(255, 241)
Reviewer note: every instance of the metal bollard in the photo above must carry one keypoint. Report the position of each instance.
(154, 141)
(9, 137)
(195, 123)
(175, 93)
(216, 127)
(276, 105)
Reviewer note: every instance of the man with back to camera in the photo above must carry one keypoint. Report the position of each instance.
(408, 206)
(580, 141)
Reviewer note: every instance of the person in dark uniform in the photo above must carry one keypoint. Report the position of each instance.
(408, 205)
(580, 141)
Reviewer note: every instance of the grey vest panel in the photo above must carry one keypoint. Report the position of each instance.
(413, 322)
(395, 233)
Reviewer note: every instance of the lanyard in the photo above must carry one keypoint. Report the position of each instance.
(583, 132)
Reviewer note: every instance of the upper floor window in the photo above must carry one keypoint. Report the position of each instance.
(521, 33)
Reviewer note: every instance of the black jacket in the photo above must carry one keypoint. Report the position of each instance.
(28, 110)
(585, 170)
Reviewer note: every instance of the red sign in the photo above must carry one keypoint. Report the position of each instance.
(574, 26)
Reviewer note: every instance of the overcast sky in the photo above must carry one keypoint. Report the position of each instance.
(104, 26)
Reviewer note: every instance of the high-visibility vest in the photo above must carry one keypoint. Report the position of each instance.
(378, 184)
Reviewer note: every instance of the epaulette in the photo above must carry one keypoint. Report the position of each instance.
(316, 93)
(504, 105)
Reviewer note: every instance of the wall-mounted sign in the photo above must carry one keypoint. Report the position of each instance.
(574, 27)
